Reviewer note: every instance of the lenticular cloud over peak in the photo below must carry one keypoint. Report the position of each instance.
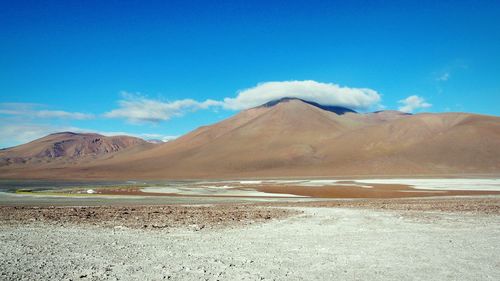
(136, 108)
(322, 93)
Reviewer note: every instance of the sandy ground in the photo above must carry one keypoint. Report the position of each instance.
(310, 243)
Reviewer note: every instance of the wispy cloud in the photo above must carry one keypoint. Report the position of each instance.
(450, 69)
(443, 77)
(145, 136)
(19, 133)
(413, 103)
(139, 109)
(161, 137)
(31, 110)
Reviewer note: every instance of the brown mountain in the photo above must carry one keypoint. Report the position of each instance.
(292, 137)
(65, 148)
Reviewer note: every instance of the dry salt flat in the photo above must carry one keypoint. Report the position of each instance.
(321, 244)
(491, 184)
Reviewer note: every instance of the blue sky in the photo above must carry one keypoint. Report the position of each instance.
(162, 68)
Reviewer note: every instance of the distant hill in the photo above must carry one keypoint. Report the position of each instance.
(292, 137)
(67, 147)
(155, 141)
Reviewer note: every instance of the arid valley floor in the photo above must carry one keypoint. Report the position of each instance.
(66, 235)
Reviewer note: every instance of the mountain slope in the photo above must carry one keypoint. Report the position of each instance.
(292, 137)
(67, 147)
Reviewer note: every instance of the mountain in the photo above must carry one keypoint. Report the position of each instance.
(336, 109)
(293, 137)
(155, 141)
(69, 148)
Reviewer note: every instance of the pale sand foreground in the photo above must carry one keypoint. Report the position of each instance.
(320, 244)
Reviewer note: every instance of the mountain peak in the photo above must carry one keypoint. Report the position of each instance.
(340, 110)
(394, 112)
(69, 147)
(63, 133)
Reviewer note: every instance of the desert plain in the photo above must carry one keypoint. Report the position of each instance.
(321, 229)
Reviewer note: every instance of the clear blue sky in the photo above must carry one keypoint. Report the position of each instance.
(59, 59)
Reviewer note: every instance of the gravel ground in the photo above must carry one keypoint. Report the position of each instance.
(146, 217)
(477, 205)
(313, 244)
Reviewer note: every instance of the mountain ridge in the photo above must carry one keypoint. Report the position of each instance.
(294, 138)
(68, 147)
(340, 110)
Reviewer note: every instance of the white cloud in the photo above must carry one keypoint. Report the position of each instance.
(168, 138)
(144, 136)
(139, 109)
(412, 103)
(31, 110)
(322, 93)
(63, 114)
(151, 136)
(136, 108)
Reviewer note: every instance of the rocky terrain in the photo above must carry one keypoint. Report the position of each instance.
(68, 148)
(474, 205)
(147, 217)
(314, 243)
